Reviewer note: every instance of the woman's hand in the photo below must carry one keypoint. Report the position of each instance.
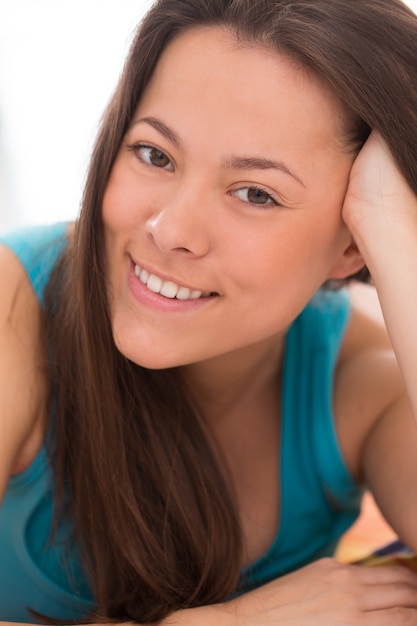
(380, 209)
(329, 593)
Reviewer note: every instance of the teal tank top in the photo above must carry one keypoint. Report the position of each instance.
(319, 499)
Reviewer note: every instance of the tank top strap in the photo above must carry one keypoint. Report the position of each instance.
(38, 248)
(318, 334)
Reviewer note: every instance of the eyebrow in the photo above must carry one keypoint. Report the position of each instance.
(259, 163)
(234, 162)
(161, 128)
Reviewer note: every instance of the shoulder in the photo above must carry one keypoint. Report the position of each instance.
(23, 358)
(20, 313)
(367, 379)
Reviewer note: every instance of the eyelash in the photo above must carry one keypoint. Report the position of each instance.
(136, 147)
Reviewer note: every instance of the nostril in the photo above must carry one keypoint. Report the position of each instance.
(181, 249)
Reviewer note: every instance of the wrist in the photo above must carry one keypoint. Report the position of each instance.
(390, 246)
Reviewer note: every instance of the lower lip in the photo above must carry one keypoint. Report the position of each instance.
(155, 301)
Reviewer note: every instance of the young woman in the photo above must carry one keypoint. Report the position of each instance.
(189, 411)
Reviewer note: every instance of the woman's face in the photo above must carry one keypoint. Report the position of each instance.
(226, 199)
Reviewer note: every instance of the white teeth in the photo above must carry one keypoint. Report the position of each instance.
(144, 275)
(167, 288)
(183, 293)
(154, 283)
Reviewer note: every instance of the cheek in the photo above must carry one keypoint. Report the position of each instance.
(112, 201)
(327, 234)
(122, 201)
(295, 259)
(300, 243)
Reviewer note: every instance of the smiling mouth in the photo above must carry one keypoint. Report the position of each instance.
(168, 288)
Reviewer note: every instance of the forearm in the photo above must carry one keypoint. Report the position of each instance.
(393, 264)
(324, 592)
(218, 614)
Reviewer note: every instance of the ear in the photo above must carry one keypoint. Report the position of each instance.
(349, 263)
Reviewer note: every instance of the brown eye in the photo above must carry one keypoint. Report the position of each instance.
(153, 157)
(158, 158)
(255, 195)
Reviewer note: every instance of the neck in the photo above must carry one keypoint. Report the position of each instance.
(224, 385)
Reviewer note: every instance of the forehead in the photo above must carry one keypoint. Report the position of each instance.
(207, 76)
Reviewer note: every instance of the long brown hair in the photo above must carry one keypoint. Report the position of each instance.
(152, 505)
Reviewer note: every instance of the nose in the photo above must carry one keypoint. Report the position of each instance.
(181, 225)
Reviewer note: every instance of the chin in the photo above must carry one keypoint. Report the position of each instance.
(143, 353)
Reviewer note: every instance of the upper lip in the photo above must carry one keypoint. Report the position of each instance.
(171, 279)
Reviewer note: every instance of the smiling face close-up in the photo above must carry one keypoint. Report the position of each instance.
(225, 198)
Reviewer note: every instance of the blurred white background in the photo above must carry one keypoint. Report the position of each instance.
(59, 62)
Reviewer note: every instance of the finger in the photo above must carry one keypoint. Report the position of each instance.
(389, 596)
(386, 574)
(391, 617)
